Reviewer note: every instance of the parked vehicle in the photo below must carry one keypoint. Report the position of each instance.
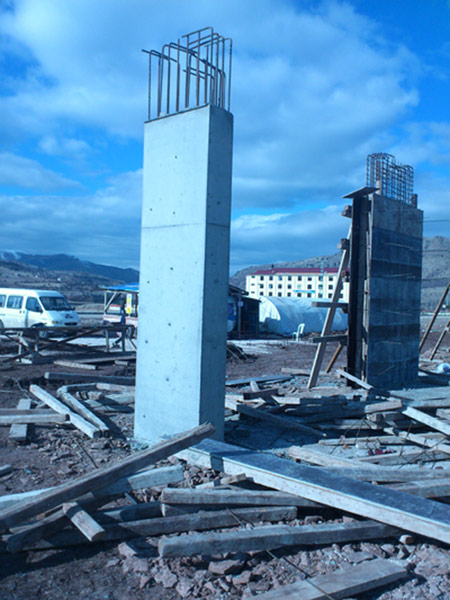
(35, 308)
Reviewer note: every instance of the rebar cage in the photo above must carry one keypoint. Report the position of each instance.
(190, 73)
(393, 180)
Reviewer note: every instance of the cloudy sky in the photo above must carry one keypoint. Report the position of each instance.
(316, 87)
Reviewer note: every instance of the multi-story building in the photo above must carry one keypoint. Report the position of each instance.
(295, 283)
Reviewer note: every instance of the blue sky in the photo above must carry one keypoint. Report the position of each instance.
(316, 87)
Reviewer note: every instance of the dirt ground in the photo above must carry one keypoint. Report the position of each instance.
(103, 571)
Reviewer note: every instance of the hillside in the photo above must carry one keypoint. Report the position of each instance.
(80, 281)
(435, 268)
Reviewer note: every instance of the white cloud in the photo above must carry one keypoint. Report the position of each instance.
(62, 146)
(26, 173)
(102, 227)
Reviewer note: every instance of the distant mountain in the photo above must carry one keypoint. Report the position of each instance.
(65, 262)
(435, 268)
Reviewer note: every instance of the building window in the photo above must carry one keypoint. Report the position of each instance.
(261, 278)
(309, 287)
(270, 293)
(261, 285)
(280, 294)
(271, 277)
(341, 295)
(298, 294)
(330, 295)
(330, 286)
(261, 293)
(253, 276)
(280, 277)
(280, 285)
(309, 278)
(289, 277)
(320, 295)
(309, 295)
(270, 286)
(320, 277)
(289, 293)
(289, 287)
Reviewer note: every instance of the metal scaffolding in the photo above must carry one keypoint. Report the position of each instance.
(393, 180)
(189, 74)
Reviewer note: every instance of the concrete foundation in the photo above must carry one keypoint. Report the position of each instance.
(183, 286)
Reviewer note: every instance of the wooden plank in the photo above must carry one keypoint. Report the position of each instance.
(145, 479)
(283, 422)
(5, 469)
(49, 419)
(260, 393)
(352, 378)
(19, 431)
(342, 583)
(166, 525)
(326, 304)
(403, 457)
(428, 420)
(101, 477)
(76, 420)
(341, 339)
(223, 481)
(408, 512)
(271, 537)
(83, 521)
(73, 364)
(434, 488)
(90, 378)
(420, 439)
(433, 318)
(262, 379)
(228, 497)
(328, 323)
(353, 468)
(79, 407)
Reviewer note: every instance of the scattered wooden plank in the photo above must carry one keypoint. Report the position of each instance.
(262, 379)
(5, 469)
(342, 583)
(19, 431)
(74, 419)
(101, 477)
(143, 510)
(420, 439)
(271, 537)
(260, 393)
(434, 488)
(74, 364)
(261, 415)
(228, 497)
(353, 379)
(50, 418)
(428, 420)
(425, 517)
(79, 407)
(342, 339)
(85, 377)
(403, 457)
(223, 481)
(352, 467)
(145, 479)
(166, 525)
(35, 531)
(83, 521)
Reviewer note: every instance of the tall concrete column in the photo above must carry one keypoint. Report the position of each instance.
(183, 286)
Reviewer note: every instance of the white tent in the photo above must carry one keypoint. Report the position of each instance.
(284, 315)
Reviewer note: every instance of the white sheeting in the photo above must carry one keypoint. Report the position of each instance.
(284, 315)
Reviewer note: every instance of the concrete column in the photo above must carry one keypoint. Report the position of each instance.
(183, 286)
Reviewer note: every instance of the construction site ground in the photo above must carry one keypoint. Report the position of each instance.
(133, 570)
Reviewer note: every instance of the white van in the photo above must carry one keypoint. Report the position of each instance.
(35, 308)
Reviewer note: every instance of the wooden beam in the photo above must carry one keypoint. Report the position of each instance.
(342, 583)
(74, 365)
(428, 420)
(433, 318)
(145, 479)
(5, 469)
(76, 420)
(101, 477)
(90, 378)
(83, 521)
(19, 431)
(341, 339)
(79, 407)
(284, 422)
(50, 418)
(411, 513)
(326, 329)
(166, 525)
(228, 497)
(325, 304)
(270, 537)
